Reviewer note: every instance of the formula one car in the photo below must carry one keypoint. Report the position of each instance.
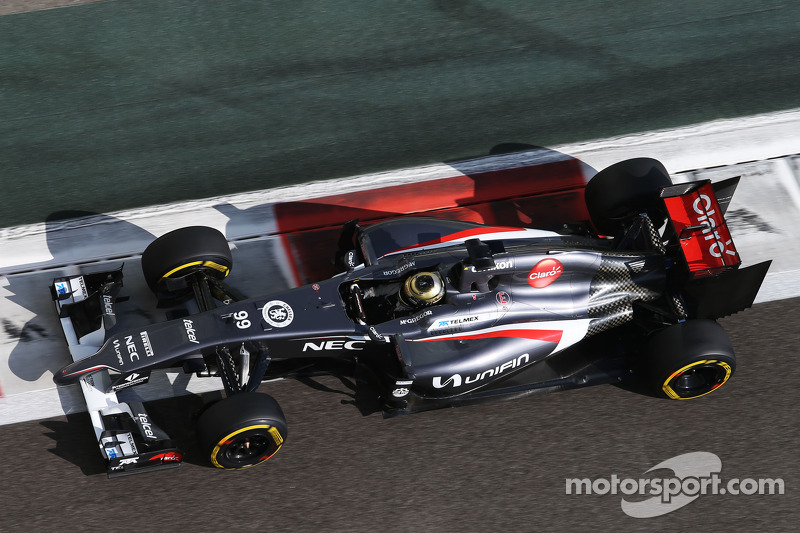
(426, 313)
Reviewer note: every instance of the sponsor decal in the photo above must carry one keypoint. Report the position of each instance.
(350, 259)
(503, 299)
(130, 461)
(454, 322)
(704, 236)
(637, 266)
(503, 264)
(148, 348)
(132, 444)
(131, 347)
(118, 351)
(112, 454)
(62, 287)
(400, 269)
(402, 388)
(277, 313)
(108, 305)
(334, 345)
(377, 337)
(174, 457)
(191, 333)
(130, 381)
(81, 291)
(456, 380)
(414, 319)
(703, 207)
(315, 287)
(544, 273)
(147, 427)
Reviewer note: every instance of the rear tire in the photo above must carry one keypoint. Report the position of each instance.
(617, 194)
(183, 252)
(242, 430)
(689, 360)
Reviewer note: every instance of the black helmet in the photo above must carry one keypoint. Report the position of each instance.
(422, 288)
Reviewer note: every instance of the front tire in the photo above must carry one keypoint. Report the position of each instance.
(689, 360)
(241, 431)
(185, 251)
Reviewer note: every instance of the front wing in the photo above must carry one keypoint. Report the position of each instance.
(129, 441)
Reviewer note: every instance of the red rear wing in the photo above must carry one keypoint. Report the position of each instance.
(700, 224)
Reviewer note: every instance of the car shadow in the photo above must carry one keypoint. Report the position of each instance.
(521, 185)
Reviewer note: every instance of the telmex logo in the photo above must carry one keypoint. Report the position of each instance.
(544, 273)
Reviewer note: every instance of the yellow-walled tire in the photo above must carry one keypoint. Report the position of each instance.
(185, 251)
(241, 431)
(689, 360)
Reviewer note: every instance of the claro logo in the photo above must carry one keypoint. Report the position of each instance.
(707, 216)
(544, 273)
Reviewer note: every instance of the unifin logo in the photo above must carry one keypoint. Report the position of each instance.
(456, 379)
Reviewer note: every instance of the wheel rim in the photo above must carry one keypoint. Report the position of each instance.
(247, 447)
(697, 379)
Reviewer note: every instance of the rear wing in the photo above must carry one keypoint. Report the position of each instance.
(716, 286)
(697, 217)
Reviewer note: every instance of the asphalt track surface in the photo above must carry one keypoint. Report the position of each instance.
(116, 104)
(500, 466)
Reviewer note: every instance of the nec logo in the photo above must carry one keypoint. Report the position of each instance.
(333, 345)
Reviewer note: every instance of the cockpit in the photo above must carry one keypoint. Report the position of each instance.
(409, 290)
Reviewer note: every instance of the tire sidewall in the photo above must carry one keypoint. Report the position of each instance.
(244, 415)
(678, 348)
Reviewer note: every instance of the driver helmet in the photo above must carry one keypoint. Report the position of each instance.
(422, 288)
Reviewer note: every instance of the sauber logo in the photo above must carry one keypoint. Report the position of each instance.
(544, 273)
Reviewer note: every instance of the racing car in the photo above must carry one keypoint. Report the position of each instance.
(425, 313)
